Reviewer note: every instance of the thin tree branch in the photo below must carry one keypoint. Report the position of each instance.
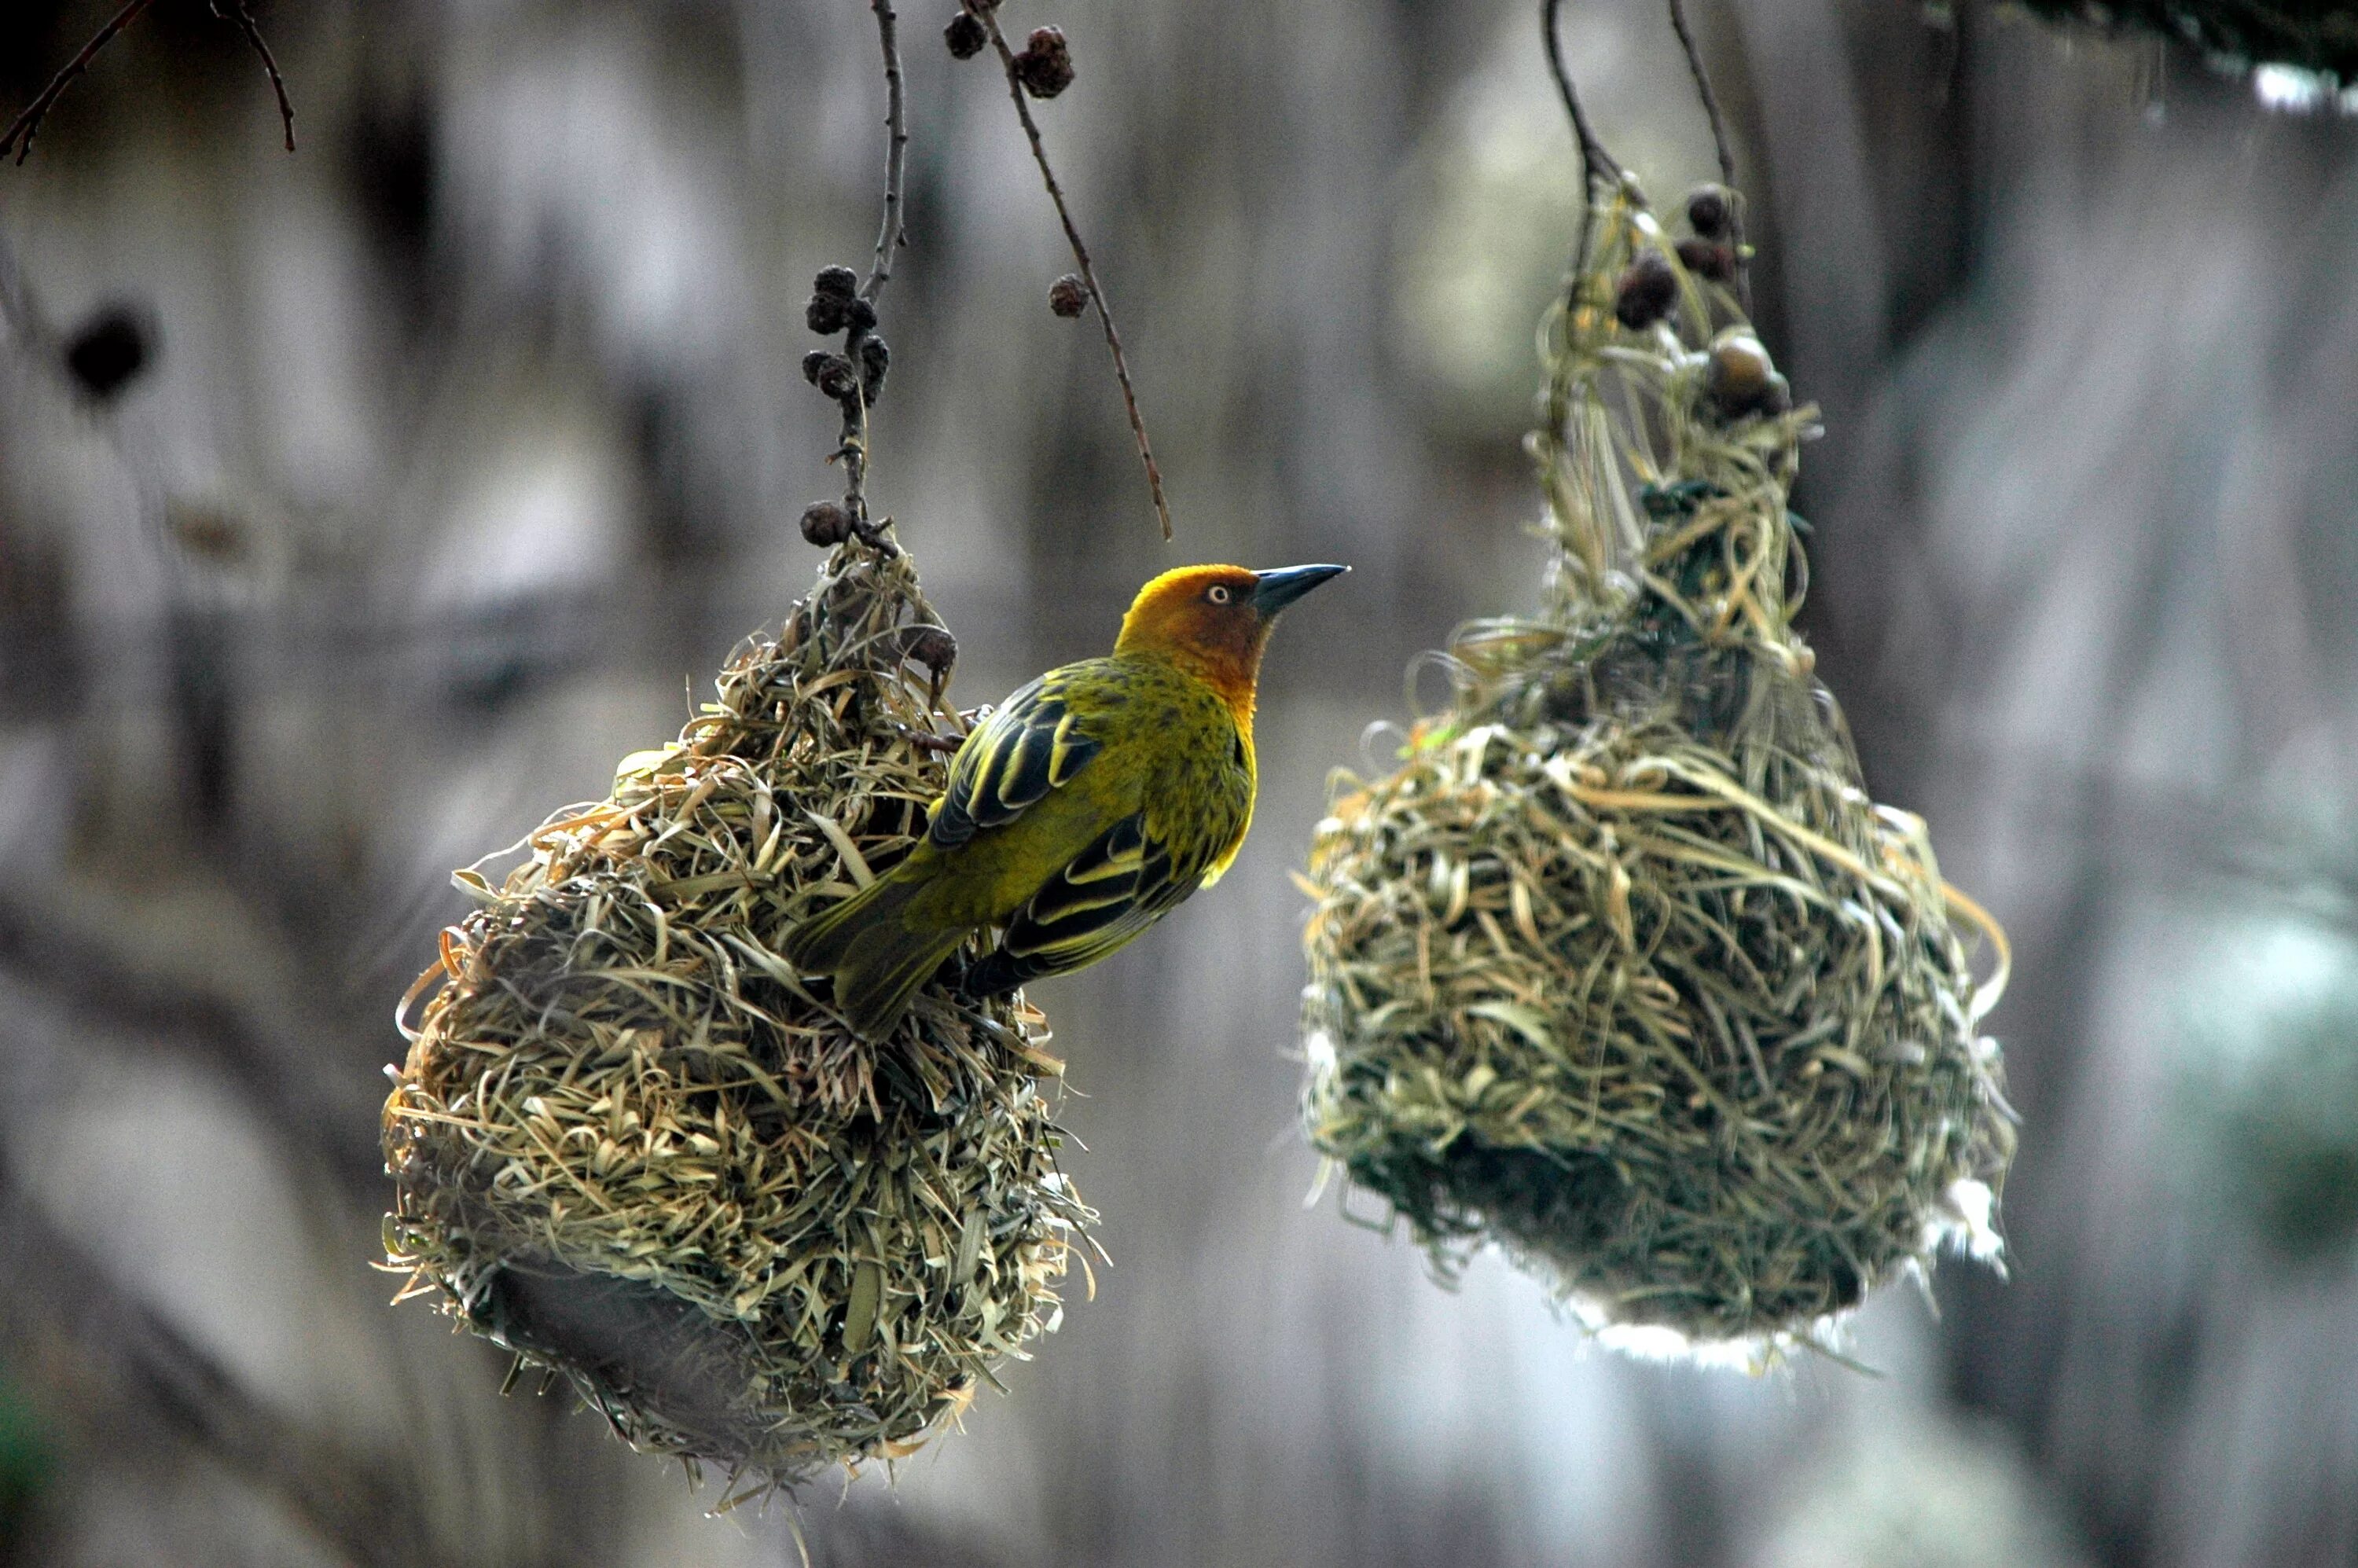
(18, 138)
(853, 447)
(988, 14)
(243, 20)
(28, 124)
(1719, 144)
(1596, 162)
(1596, 166)
(896, 155)
(1702, 88)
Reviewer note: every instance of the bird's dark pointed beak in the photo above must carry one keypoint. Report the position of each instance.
(1273, 592)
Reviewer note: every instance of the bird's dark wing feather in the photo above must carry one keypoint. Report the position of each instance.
(1031, 745)
(1110, 891)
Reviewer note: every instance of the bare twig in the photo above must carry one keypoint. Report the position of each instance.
(243, 20)
(990, 19)
(853, 449)
(896, 155)
(28, 124)
(1596, 162)
(21, 131)
(1719, 144)
(1702, 88)
(939, 745)
(1596, 165)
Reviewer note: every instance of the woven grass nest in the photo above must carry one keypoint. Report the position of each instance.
(1621, 968)
(629, 1146)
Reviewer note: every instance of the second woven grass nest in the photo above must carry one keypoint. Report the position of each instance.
(1621, 968)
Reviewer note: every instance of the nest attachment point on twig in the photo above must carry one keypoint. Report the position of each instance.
(631, 1147)
(1621, 968)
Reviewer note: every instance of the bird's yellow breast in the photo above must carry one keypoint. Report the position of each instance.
(1167, 746)
(1196, 765)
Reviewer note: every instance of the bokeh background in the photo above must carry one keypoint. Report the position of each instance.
(471, 438)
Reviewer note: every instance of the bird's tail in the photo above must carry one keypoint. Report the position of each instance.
(876, 958)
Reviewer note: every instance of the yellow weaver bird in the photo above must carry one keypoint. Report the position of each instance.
(1080, 812)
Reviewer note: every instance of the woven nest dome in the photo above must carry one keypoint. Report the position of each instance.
(629, 1146)
(1622, 969)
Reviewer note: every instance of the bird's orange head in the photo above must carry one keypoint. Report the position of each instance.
(1214, 621)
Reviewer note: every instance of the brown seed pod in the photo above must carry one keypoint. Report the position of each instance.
(1740, 374)
(1707, 258)
(834, 298)
(1647, 291)
(826, 524)
(1068, 296)
(1046, 66)
(837, 379)
(966, 36)
(1709, 207)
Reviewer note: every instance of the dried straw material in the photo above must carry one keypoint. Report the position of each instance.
(1622, 969)
(631, 1147)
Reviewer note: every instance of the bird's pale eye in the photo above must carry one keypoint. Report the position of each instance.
(1218, 593)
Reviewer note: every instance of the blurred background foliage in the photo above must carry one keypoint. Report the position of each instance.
(471, 438)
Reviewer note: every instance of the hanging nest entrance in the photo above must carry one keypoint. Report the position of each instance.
(1622, 969)
(633, 1148)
